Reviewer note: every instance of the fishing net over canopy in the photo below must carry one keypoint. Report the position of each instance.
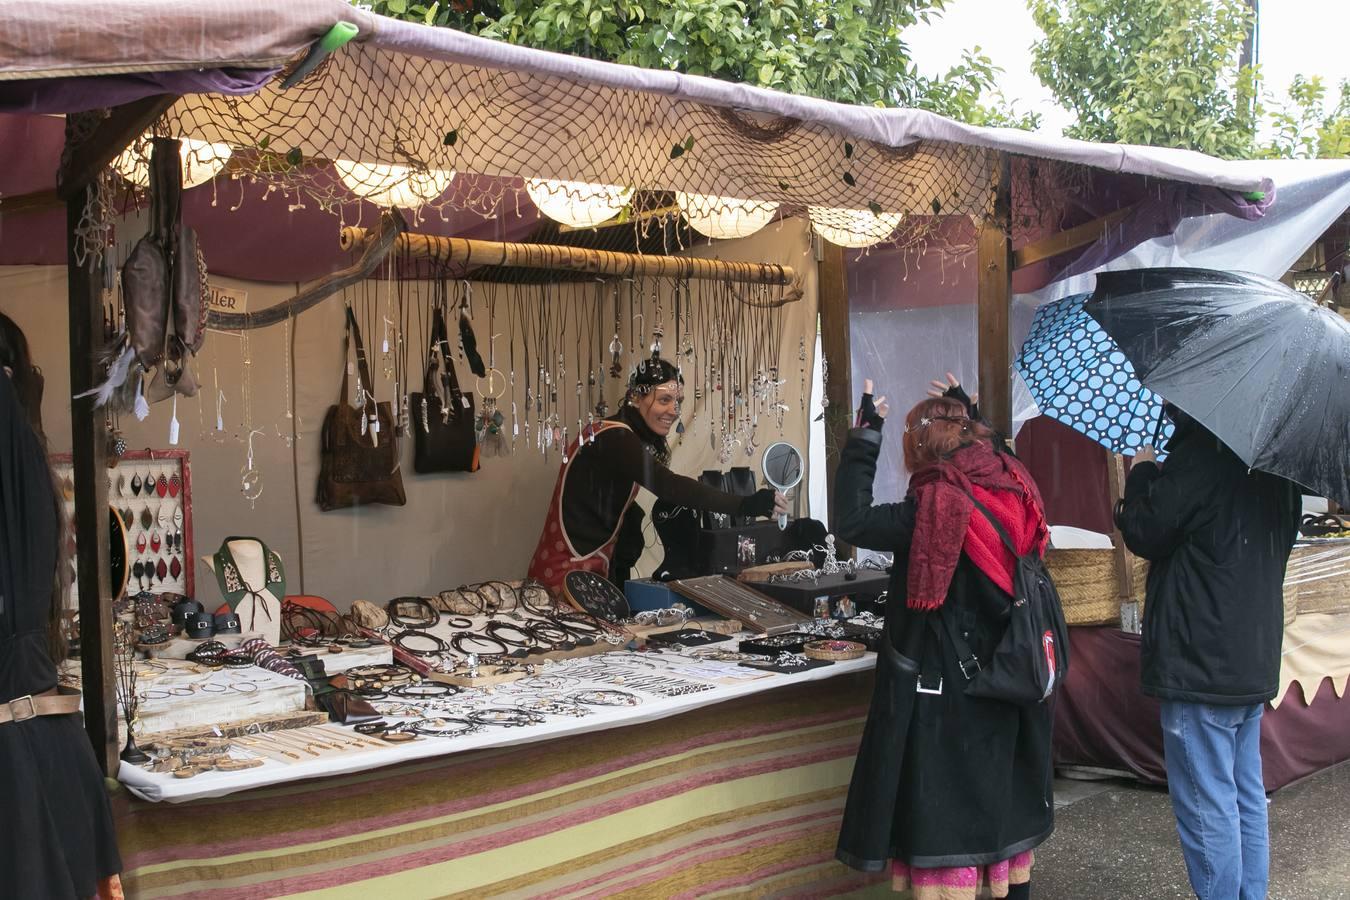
(468, 122)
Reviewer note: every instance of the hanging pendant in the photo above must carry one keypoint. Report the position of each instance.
(175, 485)
(140, 545)
(135, 485)
(162, 486)
(175, 568)
(679, 426)
(161, 569)
(147, 520)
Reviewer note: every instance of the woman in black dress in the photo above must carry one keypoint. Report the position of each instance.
(61, 842)
(951, 791)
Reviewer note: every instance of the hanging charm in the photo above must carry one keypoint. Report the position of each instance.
(250, 480)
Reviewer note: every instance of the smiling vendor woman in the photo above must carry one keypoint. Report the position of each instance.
(592, 523)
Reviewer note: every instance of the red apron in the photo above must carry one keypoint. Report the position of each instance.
(554, 556)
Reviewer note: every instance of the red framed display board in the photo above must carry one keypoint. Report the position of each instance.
(151, 490)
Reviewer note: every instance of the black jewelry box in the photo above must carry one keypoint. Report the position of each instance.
(726, 551)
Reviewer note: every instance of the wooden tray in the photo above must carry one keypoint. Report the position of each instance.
(758, 612)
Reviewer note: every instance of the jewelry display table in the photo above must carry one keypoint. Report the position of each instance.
(739, 786)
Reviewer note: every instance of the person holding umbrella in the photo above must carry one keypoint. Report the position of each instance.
(1218, 535)
(1255, 373)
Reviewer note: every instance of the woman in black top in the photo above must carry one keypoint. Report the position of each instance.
(591, 523)
(60, 843)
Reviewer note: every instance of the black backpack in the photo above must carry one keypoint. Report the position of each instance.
(1033, 656)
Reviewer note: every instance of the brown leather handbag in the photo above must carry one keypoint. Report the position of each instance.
(360, 462)
(443, 420)
(162, 283)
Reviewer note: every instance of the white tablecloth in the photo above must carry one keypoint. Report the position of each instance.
(156, 787)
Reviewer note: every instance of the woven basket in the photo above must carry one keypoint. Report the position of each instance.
(1317, 579)
(1088, 585)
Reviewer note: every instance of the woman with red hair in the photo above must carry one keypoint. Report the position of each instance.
(952, 790)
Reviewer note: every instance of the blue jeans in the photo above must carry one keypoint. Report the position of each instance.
(1214, 777)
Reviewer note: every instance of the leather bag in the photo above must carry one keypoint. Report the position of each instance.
(444, 439)
(162, 283)
(359, 464)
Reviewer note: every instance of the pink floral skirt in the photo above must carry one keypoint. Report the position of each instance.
(963, 882)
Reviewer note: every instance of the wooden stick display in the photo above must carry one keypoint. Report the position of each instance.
(575, 259)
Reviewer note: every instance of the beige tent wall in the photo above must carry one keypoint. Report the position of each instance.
(455, 528)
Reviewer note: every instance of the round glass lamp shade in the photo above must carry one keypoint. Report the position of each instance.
(853, 227)
(202, 161)
(392, 185)
(724, 217)
(577, 203)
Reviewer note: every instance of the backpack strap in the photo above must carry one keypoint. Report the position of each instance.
(966, 660)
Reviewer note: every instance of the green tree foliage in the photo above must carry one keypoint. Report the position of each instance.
(1161, 72)
(845, 50)
(1303, 127)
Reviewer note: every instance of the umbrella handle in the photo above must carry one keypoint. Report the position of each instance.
(1157, 431)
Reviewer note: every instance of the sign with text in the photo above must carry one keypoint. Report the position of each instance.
(226, 300)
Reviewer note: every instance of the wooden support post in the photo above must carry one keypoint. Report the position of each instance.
(995, 294)
(832, 290)
(89, 446)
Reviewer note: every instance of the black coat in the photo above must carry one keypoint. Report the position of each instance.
(1218, 537)
(59, 839)
(941, 779)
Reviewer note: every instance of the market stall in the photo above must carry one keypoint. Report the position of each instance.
(494, 244)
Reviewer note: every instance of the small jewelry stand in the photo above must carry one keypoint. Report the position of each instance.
(124, 667)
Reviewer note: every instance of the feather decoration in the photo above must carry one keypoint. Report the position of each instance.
(117, 357)
(469, 343)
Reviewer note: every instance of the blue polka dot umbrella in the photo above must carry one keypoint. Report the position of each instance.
(1078, 376)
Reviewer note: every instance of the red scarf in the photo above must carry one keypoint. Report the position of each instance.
(947, 522)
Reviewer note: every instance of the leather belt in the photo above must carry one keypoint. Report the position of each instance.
(49, 703)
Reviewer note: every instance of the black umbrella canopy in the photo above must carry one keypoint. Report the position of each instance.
(1257, 363)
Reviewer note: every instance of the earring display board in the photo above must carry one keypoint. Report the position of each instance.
(151, 490)
(594, 594)
(759, 613)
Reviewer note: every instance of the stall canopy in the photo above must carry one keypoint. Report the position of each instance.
(433, 100)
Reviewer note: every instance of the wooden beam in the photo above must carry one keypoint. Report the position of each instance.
(1070, 238)
(832, 291)
(89, 446)
(575, 259)
(994, 269)
(83, 161)
(36, 201)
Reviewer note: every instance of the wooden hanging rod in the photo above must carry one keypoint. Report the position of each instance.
(573, 259)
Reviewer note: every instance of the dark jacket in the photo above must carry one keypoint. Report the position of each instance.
(1217, 536)
(941, 779)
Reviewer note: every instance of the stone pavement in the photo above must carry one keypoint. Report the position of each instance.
(1114, 839)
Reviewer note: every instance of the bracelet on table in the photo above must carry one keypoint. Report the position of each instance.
(834, 650)
(425, 689)
(400, 641)
(459, 638)
(425, 616)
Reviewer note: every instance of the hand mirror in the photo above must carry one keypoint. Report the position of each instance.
(782, 465)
